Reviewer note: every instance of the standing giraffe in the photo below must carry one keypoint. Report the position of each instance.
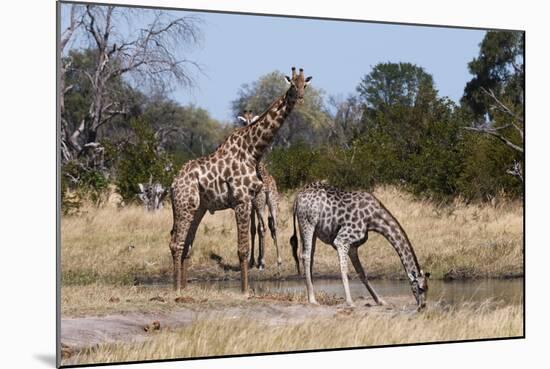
(343, 220)
(227, 178)
(268, 196)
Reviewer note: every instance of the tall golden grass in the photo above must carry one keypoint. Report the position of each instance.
(121, 245)
(215, 336)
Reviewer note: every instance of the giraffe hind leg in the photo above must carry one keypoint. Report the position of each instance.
(306, 234)
(272, 224)
(252, 262)
(342, 248)
(261, 241)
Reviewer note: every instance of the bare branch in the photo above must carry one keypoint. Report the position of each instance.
(149, 56)
(495, 133)
(501, 106)
(74, 23)
(516, 170)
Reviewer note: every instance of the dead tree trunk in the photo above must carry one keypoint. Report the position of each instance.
(152, 195)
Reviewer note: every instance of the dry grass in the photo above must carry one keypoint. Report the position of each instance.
(124, 246)
(99, 299)
(215, 336)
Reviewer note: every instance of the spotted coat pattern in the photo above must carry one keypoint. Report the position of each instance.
(227, 178)
(268, 197)
(343, 219)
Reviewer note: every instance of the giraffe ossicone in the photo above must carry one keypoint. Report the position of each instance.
(227, 179)
(343, 219)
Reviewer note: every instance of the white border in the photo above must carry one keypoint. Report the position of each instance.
(28, 180)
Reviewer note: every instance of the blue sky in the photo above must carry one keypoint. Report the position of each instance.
(238, 49)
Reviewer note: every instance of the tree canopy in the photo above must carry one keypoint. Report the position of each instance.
(395, 128)
(308, 121)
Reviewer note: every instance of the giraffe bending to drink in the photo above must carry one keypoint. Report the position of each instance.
(267, 197)
(343, 219)
(227, 179)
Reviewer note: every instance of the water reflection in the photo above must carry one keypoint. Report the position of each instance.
(508, 291)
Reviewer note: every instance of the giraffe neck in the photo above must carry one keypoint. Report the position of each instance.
(389, 227)
(260, 134)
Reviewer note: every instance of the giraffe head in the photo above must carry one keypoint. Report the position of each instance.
(419, 285)
(298, 84)
(247, 118)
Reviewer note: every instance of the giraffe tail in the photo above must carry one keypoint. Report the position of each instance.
(294, 238)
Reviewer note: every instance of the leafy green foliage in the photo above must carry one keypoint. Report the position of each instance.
(397, 130)
(484, 169)
(141, 161)
(293, 166)
(390, 84)
(499, 68)
(80, 183)
(306, 123)
(190, 131)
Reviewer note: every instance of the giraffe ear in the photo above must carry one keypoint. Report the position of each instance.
(256, 117)
(412, 276)
(288, 80)
(427, 274)
(241, 118)
(141, 188)
(308, 79)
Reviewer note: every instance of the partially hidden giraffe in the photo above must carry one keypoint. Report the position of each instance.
(227, 179)
(343, 219)
(267, 197)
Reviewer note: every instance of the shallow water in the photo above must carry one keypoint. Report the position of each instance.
(505, 291)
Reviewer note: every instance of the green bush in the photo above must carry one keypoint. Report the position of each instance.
(80, 183)
(140, 160)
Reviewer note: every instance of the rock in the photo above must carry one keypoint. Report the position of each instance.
(155, 326)
(184, 300)
(157, 298)
(66, 351)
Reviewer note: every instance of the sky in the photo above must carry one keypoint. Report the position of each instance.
(238, 49)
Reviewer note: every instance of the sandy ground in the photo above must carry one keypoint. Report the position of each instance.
(79, 333)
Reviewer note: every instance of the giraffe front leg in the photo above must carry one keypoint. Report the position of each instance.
(353, 255)
(342, 248)
(242, 216)
(189, 239)
(178, 248)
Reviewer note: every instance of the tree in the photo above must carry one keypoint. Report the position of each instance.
(307, 123)
(498, 68)
(75, 22)
(144, 56)
(411, 135)
(391, 84)
(495, 95)
(346, 121)
(184, 131)
(143, 169)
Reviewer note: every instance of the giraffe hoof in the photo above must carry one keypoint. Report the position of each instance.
(261, 267)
